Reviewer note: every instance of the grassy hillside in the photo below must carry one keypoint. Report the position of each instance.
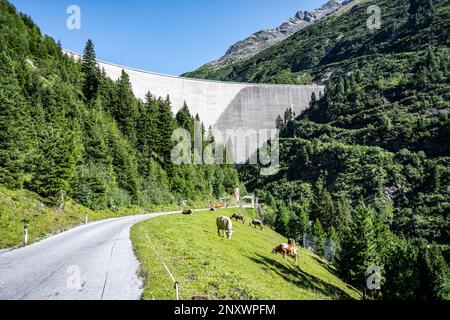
(18, 207)
(208, 266)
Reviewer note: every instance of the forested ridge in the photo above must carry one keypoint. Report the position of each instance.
(69, 131)
(369, 162)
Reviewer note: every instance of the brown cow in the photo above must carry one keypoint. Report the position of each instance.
(287, 250)
(238, 217)
(257, 223)
(188, 212)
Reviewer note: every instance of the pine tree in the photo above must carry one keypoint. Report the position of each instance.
(434, 273)
(147, 136)
(125, 108)
(283, 219)
(91, 73)
(185, 119)
(401, 279)
(319, 237)
(56, 163)
(126, 166)
(323, 205)
(358, 250)
(13, 127)
(166, 125)
(198, 120)
(150, 124)
(299, 222)
(304, 221)
(106, 93)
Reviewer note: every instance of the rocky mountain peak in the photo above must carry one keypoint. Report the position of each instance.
(263, 39)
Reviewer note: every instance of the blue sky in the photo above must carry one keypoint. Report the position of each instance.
(166, 36)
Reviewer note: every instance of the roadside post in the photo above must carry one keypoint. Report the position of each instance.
(25, 234)
(176, 291)
(86, 219)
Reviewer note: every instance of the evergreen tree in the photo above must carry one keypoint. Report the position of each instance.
(319, 238)
(198, 120)
(125, 108)
(166, 125)
(147, 127)
(283, 219)
(323, 205)
(126, 167)
(185, 119)
(91, 73)
(358, 249)
(401, 272)
(56, 163)
(299, 222)
(434, 273)
(106, 96)
(303, 221)
(13, 126)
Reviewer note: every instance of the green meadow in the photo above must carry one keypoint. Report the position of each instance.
(207, 266)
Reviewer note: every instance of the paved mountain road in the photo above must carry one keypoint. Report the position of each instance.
(91, 262)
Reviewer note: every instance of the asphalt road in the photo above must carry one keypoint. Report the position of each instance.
(91, 262)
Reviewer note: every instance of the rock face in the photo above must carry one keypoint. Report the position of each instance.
(263, 39)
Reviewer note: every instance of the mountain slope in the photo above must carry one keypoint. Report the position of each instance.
(317, 51)
(261, 40)
(370, 160)
(208, 266)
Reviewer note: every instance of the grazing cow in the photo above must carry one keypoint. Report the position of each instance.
(187, 212)
(238, 217)
(224, 224)
(287, 249)
(257, 223)
(213, 209)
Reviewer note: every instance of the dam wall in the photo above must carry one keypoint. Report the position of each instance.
(244, 109)
(221, 105)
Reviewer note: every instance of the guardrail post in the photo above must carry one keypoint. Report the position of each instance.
(25, 235)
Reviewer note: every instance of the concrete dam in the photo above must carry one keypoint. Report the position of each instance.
(221, 105)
